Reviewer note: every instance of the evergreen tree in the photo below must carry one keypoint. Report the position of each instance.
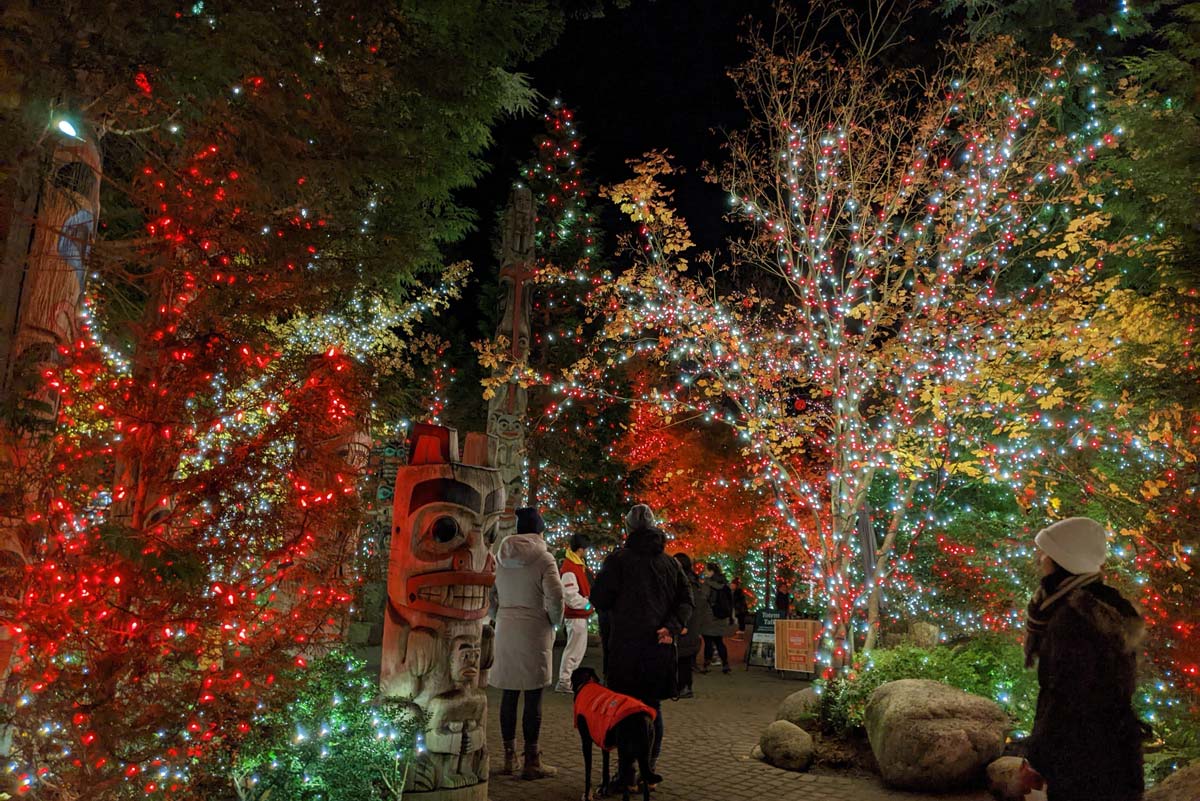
(575, 473)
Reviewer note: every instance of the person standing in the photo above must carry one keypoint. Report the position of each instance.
(715, 618)
(527, 603)
(689, 636)
(648, 601)
(576, 589)
(604, 624)
(1084, 637)
(744, 602)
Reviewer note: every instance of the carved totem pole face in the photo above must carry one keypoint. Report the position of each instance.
(465, 653)
(444, 519)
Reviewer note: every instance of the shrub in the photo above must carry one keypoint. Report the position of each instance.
(335, 742)
(992, 666)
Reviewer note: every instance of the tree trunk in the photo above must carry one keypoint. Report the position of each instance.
(874, 600)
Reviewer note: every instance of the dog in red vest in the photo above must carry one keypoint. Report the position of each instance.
(612, 720)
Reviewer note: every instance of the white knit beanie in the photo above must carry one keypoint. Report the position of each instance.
(1077, 544)
(639, 517)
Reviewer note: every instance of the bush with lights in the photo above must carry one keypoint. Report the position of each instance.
(335, 742)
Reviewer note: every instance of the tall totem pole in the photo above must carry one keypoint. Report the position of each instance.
(44, 247)
(506, 409)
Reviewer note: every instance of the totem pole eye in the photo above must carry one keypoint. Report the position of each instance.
(445, 529)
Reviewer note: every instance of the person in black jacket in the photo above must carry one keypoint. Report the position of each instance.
(648, 601)
(1085, 638)
(689, 636)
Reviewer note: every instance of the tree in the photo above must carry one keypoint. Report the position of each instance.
(889, 213)
(701, 489)
(574, 471)
(277, 183)
(1120, 441)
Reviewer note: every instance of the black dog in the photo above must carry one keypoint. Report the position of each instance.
(626, 723)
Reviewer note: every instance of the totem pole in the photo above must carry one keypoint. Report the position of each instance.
(44, 272)
(506, 409)
(45, 304)
(436, 650)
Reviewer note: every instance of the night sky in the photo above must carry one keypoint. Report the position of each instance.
(651, 76)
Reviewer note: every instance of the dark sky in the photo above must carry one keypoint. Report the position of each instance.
(651, 76)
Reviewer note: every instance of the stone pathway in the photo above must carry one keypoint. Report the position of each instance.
(706, 753)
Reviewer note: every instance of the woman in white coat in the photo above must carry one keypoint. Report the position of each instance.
(528, 605)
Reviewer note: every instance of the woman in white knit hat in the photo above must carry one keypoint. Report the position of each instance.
(1084, 637)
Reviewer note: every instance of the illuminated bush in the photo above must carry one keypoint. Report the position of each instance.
(335, 742)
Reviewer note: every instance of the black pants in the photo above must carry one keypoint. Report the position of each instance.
(531, 721)
(658, 732)
(684, 672)
(605, 628)
(717, 644)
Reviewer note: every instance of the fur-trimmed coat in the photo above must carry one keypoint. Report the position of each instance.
(1086, 738)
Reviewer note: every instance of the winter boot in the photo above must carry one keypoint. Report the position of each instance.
(534, 768)
(510, 760)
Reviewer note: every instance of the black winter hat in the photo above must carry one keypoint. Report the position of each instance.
(529, 521)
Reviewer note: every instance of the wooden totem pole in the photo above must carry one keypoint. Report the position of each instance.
(506, 410)
(436, 649)
(46, 243)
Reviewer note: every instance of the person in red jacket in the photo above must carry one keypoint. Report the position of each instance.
(576, 588)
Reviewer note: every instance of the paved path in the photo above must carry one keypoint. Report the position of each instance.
(706, 753)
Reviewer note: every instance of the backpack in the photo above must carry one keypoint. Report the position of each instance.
(722, 603)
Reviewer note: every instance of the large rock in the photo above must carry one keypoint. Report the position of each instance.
(786, 745)
(930, 736)
(1182, 785)
(800, 708)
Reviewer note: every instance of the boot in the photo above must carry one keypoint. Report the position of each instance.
(510, 760)
(534, 768)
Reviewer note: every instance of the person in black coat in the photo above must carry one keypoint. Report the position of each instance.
(690, 639)
(648, 601)
(1085, 638)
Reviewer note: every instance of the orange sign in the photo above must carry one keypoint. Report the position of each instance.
(796, 645)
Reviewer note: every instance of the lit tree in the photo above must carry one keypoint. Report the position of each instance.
(273, 204)
(702, 489)
(574, 473)
(889, 216)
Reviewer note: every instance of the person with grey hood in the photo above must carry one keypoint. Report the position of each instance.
(648, 601)
(527, 603)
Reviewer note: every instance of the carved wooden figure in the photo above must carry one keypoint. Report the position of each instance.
(436, 650)
(506, 410)
(47, 282)
(55, 272)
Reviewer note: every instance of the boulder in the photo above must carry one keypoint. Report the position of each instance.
(1182, 785)
(757, 753)
(930, 736)
(786, 745)
(801, 707)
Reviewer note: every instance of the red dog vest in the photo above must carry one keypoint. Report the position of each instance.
(602, 709)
